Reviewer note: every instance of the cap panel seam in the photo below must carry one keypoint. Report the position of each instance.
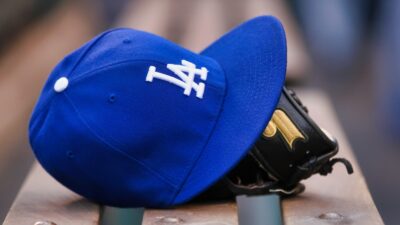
(51, 94)
(208, 138)
(90, 47)
(37, 128)
(94, 72)
(115, 148)
(91, 73)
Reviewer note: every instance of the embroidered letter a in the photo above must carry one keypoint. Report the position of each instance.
(186, 72)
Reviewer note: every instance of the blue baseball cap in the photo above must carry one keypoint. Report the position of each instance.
(133, 120)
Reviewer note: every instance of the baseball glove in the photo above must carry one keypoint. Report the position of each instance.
(291, 148)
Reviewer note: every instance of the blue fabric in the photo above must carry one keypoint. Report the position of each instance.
(118, 140)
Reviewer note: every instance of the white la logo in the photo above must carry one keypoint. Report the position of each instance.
(186, 73)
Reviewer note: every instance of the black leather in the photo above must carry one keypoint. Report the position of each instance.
(272, 165)
(282, 161)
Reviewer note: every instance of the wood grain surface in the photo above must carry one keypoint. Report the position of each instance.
(44, 201)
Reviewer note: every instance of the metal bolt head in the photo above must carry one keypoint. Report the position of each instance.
(168, 220)
(44, 222)
(331, 216)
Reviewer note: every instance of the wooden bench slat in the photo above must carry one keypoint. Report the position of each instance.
(220, 213)
(44, 199)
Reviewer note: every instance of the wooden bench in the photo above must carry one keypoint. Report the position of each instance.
(336, 199)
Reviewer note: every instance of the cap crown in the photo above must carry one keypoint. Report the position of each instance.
(131, 120)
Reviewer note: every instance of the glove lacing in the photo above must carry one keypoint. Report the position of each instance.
(328, 167)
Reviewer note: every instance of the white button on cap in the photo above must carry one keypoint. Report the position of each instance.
(61, 84)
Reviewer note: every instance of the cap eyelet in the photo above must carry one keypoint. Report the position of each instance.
(127, 41)
(70, 154)
(112, 98)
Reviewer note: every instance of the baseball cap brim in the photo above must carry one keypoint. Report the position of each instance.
(253, 57)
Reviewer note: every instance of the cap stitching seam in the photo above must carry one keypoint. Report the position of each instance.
(77, 63)
(206, 142)
(115, 148)
(33, 126)
(90, 47)
(91, 73)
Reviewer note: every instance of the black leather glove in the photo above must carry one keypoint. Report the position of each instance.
(291, 148)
